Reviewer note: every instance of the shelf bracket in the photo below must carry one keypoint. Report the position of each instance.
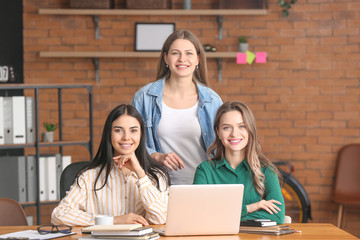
(97, 69)
(97, 28)
(219, 62)
(220, 24)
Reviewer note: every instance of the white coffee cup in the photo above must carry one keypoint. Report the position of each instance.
(104, 220)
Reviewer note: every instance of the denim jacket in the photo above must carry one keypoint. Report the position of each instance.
(148, 101)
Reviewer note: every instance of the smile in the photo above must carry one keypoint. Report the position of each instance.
(125, 145)
(182, 66)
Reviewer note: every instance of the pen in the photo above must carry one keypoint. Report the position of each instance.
(297, 231)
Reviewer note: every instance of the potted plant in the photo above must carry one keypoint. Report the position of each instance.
(286, 5)
(243, 44)
(48, 136)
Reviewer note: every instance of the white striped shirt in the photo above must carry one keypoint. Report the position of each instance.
(121, 195)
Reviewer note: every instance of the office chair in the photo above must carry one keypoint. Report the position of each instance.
(68, 176)
(12, 213)
(347, 179)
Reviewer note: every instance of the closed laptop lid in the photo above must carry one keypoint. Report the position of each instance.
(204, 209)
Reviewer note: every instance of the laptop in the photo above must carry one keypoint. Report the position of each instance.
(213, 209)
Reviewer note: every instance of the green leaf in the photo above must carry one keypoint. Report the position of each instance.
(242, 39)
(50, 126)
(286, 5)
(285, 12)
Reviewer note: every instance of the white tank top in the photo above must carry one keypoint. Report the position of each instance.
(179, 131)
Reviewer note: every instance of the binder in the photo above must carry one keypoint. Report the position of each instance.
(66, 160)
(58, 174)
(2, 137)
(51, 193)
(48, 183)
(30, 121)
(42, 179)
(31, 178)
(13, 177)
(18, 110)
(14, 120)
(8, 123)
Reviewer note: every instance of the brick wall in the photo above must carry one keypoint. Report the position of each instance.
(306, 99)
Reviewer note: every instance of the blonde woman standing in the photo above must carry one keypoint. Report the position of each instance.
(235, 157)
(178, 108)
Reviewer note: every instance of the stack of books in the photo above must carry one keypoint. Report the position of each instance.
(258, 223)
(119, 232)
(263, 226)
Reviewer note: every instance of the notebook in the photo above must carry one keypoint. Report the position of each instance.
(213, 209)
(117, 227)
(274, 230)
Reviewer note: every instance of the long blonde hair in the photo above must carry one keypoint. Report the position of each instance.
(255, 158)
(200, 73)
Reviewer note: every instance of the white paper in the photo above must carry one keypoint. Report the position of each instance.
(34, 235)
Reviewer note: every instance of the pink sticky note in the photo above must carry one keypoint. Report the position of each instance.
(241, 58)
(260, 57)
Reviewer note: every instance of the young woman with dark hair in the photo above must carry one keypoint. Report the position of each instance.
(122, 181)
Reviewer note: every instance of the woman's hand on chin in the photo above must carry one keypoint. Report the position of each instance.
(131, 162)
(130, 218)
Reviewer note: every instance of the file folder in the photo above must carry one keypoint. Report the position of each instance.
(14, 120)
(2, 137)
(58, 174)
(30, 120)
(13, 177)
(51, 193)
(31, 178)
(48, 177)
(66, 160)
(42, 178)
(18, 110)
(8, 123)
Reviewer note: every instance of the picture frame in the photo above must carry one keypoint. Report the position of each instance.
(150, 37)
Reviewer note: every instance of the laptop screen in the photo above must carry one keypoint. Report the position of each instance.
(204, 209)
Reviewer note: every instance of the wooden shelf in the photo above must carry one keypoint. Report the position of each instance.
(125, 54)
(158, 12)
(45, 144)
(96, 55)
(39, 86)
(213, 12)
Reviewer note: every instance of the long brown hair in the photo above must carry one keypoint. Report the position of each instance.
(200, 73)
(105, 153)
(255, 158)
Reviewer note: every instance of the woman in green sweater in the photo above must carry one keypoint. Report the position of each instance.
(236, 158)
